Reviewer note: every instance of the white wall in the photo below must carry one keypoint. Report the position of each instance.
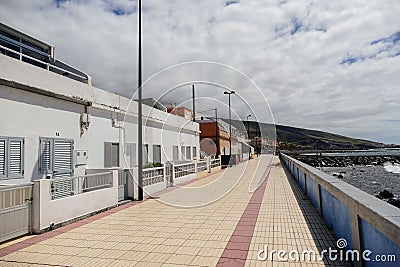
(47, 211)
(33, 115)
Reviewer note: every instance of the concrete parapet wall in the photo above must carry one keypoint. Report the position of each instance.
(366, 222)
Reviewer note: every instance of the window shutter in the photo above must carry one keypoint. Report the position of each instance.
(45, 155)
(115, 155)
(2, 157)
(145, 154)
(15, 167)
(175, 152)
(188, 157)
(194, 152)
(62, 158)
(157, 153)
(107, 154)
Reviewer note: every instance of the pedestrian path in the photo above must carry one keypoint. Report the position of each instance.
(223, 219)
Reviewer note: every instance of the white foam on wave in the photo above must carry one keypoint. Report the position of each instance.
(390, 167)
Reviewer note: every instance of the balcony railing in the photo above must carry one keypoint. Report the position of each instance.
(40, 59)
(69, 186)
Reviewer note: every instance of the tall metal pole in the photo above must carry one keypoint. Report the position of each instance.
(230, 126)
(194, 106)
(248, 131)
(140, 126)
(216, 132)
(230, 130)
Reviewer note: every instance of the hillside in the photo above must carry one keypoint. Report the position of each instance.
(292, 138)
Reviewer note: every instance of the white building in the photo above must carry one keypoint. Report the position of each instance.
(54, 123)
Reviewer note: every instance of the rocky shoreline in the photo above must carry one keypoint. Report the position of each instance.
(346, 161)
(360, 171)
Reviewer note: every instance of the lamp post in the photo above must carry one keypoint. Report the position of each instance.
(140, 126)
(248, 131)
(230, 125)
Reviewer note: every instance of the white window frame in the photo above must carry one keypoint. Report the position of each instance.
(7, 160)
(51, 156)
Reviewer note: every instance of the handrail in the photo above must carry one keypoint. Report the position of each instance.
(47, 64)
(85, 175)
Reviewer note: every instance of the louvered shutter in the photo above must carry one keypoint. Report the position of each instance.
(45, 155)
(157, 153)
(16, 148)
(2, 157)
(63, 166)
(188, 156)
(145, 154)
(175, 153)
(62, 158)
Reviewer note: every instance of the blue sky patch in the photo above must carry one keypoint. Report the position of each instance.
(60, 2)
(394, 39)
(349, 60)
(231, 2)
(385, 47)
(296, 26)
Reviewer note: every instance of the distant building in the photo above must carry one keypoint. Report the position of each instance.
(181, 111)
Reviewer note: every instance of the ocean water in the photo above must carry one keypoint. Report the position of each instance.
(370, 179)
(393, 168)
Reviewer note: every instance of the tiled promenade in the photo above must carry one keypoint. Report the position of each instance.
(226, 232)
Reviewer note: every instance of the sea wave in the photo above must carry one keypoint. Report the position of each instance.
(393, 168)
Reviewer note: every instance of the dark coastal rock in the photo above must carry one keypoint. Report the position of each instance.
(393, 201)
(386, 194)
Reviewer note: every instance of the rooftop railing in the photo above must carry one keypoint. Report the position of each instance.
(31, 55)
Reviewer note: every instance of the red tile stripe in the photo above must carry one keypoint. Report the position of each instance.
(235, 253)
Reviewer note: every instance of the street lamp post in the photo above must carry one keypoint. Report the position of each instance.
(248, 131)
(230, 125)
(140, 126)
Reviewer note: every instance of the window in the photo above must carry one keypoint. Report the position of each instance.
(188, 156)
(131, 153)
(145, 154)
(157, 153)
(56, 156)
(11, 157)
(175, 153)
(182, 152)
(111, 154)
(194, 152)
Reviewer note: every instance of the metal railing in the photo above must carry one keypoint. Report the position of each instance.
(215, 163)
(184, 169)
(153, 176)
(201, 165)
(69, 186)
(48, 64)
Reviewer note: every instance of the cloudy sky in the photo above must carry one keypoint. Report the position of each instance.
(326, 65)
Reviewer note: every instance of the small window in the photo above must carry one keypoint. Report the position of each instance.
(194, 152)
(111, 154)
(56, 156)
(157, 153)
(145, 154)
(175, 153)
(11, 157)
(188, 155)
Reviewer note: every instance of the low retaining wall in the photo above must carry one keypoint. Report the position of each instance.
(367, 223)
(48, 212)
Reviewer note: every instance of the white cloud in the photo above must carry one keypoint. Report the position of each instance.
(292, 49)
